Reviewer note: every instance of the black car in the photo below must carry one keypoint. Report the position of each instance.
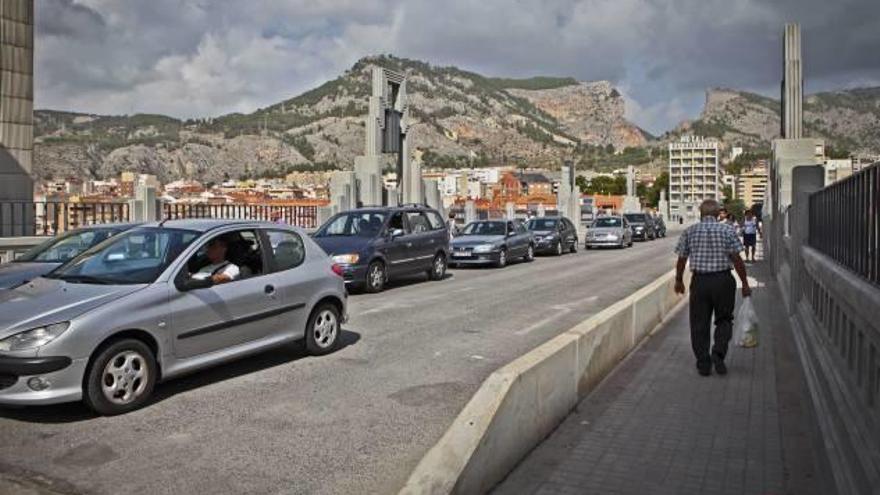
(375, 244)
(642, 226)
(554, 235)
(660, 226)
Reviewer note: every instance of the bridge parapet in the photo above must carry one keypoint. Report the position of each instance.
(824, 249)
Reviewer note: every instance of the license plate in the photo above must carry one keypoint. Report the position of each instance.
(460, 254)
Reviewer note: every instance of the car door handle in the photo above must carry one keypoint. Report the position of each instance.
(269, 289)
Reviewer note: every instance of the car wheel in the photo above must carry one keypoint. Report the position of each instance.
(375, 277)
(438, 268)
(530, 253)
(323, 329)
(120, 378)
(558, 248)
(502, 258)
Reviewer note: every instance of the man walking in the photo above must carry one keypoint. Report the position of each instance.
(712, 248)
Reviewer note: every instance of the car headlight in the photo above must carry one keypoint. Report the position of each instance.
(484, 248)
(33, 338)
(346, 259)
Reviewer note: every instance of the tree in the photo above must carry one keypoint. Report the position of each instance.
(652, 194)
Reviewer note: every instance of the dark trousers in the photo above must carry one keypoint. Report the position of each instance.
(711, 293)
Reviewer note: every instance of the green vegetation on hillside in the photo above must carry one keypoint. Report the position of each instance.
(533, 83)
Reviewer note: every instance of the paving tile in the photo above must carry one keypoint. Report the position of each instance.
(655, 426)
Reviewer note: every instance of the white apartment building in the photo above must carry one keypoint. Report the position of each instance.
(693, 175)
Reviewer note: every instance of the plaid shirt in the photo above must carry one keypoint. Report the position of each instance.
(708, 246)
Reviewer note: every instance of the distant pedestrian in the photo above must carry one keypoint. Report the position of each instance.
(751, 229)
(711, 248)
(451, 226)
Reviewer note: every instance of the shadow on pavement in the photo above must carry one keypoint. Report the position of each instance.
(77, 411)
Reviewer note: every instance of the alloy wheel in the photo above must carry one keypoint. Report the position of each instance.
(325, 329)
(125, 377)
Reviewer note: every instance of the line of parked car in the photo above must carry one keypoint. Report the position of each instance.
(103, 313)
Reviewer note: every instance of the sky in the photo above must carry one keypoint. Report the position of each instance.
(200, 58)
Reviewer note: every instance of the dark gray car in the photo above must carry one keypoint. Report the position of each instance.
(49, 255)
(554, 235)
(492, 242)
(642, 226)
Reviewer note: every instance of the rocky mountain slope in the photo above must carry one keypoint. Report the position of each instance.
(461, 117)
(847, 120)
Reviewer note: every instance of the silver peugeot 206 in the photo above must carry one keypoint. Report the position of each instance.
(161, 300)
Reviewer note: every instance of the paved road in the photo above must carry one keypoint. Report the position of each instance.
(357, 421)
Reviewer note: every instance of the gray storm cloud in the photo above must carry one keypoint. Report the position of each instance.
(200, 58)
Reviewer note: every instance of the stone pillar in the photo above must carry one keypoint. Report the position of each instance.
(792, 84)
(470, 211)
(541, 210)
(16, 116)
(663, 205)
(432, 195)
(343, 191)
(510, 210)
(393, 197)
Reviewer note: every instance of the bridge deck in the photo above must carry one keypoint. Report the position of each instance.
(656, 426)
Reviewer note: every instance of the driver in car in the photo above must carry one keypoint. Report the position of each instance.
(220, 270)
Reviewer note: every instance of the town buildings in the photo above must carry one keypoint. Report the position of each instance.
(751, 185)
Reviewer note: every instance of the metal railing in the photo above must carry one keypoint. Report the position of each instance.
(845, 222)
(48, 218)
(302, 216)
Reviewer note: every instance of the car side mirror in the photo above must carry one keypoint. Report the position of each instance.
(185, 284)
(395, 233)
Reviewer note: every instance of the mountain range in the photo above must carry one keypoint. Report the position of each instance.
(461, 118)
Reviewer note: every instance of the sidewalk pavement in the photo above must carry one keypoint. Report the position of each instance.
(655, 426)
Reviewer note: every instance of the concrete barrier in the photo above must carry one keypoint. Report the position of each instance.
(519, 405)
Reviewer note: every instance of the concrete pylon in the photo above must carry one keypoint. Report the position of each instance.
(343, 191)
(470, 211)
(432, 195)
(792, 84)
(542, 212)
(510, 210)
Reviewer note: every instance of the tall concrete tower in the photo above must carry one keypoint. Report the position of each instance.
(16, 116)
(792, 84)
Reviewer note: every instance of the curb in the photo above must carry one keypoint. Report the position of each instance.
(520, 404)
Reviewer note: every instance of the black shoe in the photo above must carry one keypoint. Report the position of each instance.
(720, 367)
(704, 370)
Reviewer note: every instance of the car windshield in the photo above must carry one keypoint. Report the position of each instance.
(137, 256)
(484, 228)
(361, 224)
(68, 245)
(608, 222)
(636, 217)
(542, 224)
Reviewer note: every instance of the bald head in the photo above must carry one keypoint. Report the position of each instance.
(710, 208)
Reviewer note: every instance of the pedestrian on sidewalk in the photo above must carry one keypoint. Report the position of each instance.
(750, 230)
(712, 249)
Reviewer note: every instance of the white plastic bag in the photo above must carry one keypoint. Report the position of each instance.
(746, 324)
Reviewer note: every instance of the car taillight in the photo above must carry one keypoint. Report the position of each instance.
(337, 269)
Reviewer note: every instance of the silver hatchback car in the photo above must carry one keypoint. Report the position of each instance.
(162, 300)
